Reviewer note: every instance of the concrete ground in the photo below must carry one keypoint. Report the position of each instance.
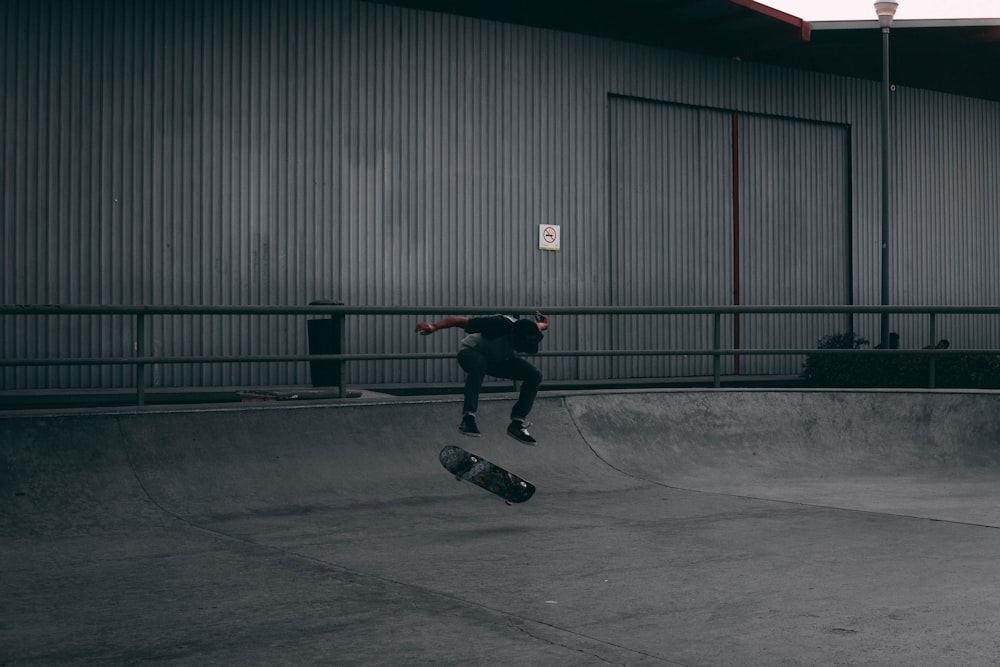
(682, 527)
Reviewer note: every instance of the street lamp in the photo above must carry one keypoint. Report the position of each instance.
(885, 12)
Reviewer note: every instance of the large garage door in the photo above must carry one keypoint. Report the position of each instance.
(686, 228)
(670, 236)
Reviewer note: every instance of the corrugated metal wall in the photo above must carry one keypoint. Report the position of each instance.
(265, 152)
(945, 211)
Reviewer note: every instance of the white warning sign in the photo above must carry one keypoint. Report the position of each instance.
(548, 237)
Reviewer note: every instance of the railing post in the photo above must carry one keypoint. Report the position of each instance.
(342, 389)
(931, 370)
(716, 344)
(140, 352)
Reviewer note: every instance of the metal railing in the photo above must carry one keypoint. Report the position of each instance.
(141, 359)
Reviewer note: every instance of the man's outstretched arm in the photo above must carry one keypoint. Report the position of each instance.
(426, 328)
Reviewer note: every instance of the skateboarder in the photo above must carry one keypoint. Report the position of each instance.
(494, 346)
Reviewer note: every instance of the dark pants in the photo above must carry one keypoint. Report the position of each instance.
(477, 368)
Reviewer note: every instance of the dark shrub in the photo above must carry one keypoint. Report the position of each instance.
(896, 369)
(838, 370)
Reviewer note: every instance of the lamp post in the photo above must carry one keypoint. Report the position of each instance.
(885, 11)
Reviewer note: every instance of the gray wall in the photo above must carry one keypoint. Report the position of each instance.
(268, 152)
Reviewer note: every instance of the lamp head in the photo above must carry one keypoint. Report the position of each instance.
(885, 12)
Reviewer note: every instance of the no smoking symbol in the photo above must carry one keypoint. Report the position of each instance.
(548, 237)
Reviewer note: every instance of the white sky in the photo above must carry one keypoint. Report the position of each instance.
(854, 10)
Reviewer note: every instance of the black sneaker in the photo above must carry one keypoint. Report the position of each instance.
(518, 431)
(468, 426)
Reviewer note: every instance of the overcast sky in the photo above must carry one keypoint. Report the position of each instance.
(852, 10)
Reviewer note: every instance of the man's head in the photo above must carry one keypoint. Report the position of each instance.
(525, 336)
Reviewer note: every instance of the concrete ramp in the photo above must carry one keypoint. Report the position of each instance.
(226, 461)
(927, 454)
(669, 528)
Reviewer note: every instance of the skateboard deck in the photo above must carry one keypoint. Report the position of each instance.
(477, 470)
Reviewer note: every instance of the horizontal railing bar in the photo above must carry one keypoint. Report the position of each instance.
(118, 361)
(41, 309)
(123, 361)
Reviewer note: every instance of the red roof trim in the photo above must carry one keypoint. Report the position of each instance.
(805, 28)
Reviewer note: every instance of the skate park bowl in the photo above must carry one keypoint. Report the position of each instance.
(674, 527)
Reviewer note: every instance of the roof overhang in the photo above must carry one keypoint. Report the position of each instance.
(954, 56)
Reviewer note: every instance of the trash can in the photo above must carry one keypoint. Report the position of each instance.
(325, 338)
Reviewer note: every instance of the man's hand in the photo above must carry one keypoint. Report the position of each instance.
(425, 329)
(542, 320)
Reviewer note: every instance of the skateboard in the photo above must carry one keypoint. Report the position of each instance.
(479, 471)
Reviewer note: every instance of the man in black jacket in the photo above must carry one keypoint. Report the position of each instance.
(494, 346)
